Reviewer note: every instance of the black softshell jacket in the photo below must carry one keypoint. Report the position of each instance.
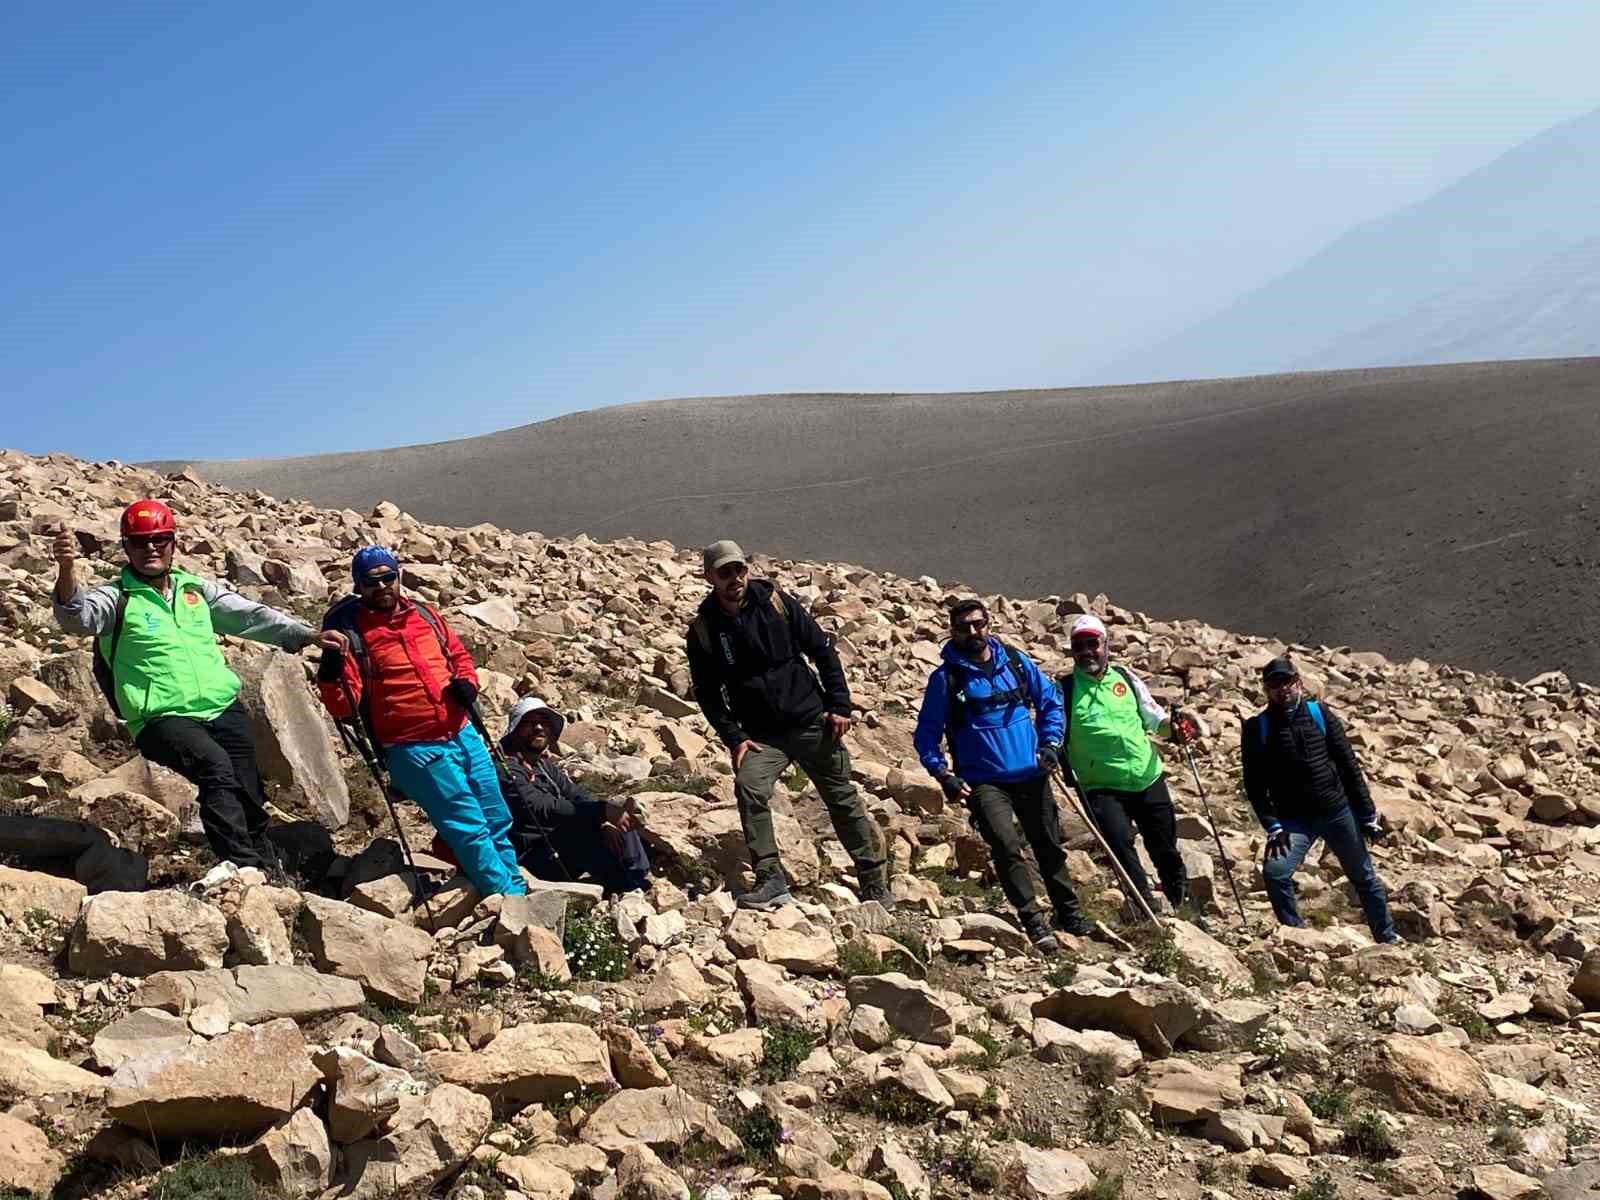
(1298, 772)
(755, 682)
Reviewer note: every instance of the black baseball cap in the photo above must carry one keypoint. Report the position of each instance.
(1280, 668)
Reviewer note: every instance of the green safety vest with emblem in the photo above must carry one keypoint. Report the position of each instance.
(165, 661)
(1107, 745)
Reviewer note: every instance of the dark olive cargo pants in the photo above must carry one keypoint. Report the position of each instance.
(826, 763)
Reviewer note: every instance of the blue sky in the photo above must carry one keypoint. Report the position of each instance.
(234, 232)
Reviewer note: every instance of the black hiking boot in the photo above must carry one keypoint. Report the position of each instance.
(771, 892)
(877, 888)
(1075, 923)
(1040, 934)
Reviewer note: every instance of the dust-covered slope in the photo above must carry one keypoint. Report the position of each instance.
(1438, 511)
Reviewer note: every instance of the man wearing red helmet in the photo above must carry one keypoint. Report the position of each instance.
(155, 631)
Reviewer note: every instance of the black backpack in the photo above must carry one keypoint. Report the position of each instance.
(342, 618)
(102, 664)
(958, 708)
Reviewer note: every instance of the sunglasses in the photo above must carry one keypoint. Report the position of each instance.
(729, 570)
(975, 624)
(150, 541)
(373, 585)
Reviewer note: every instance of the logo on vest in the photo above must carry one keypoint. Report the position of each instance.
(191, 598)
(1119, 690)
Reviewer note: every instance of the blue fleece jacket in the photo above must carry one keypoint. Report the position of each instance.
(998, 742)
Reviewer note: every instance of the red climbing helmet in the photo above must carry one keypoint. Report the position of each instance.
(144, 517)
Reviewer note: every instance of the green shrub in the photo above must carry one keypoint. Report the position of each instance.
(761, 1134)
(856, 959)
(1366, 1136)
(994, 1053)
(1507, 1139)
(1103, 1120)
(783, 1048)
(1107, 1187)
(1320, 1188)
(211, 1177)
(1062, 972)
(593, 949)
(1329, 1103)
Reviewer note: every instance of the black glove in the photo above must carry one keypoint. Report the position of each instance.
(1278, 843)
(462, 691)
(953, 785)
(1049, 757)
(1373, 831)
(330, 667)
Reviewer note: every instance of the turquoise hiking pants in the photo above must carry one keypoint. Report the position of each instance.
(456, 785)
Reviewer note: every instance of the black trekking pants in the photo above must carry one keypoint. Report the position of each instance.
(219, 757)
(996, 810)
(1117, 813)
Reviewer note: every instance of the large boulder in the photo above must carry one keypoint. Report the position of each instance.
(1156, 1015)
(136, 933)
(914, 1008)
(692, 831)
(362, 1094)
(294, 1156)
(663, 1118)
(30, 1071)
(529, 1063)
(294, 740)
(27, 1161)
(24, 995)
(252, 994)
(1178, 1092)
(428, 1143)
(1423, 1076)
(388, 957)
(161, 784)
(1043, 1174)
(239, 1083)
(23, 892)
(142, 1032)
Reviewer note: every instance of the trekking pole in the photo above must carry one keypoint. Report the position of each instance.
(1081, 807)
(1227, 863)
(355, 738)
(1205, 803)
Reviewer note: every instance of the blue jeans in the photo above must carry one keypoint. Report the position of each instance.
(455, 783)
(1343, 835)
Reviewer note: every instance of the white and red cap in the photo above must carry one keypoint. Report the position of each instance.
(1088, 626)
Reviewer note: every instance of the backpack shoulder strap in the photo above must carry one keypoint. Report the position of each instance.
(778, 606)
(701, 632)
(1315, 710)
(1127, 675)
(116, 625)
(342, 617)
(436, 623)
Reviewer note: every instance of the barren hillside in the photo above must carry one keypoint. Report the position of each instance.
(1443, 511)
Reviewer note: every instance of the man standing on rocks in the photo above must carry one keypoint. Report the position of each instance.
(1109, 717)
(393, 663)
(747, 648)
(1001, 716)
(1304, 782)
(157, 656)
(558, 829)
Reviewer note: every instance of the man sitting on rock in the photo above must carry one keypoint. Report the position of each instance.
(1304, 782)
(747, 650)
(1001, 717)
(396, 665)
(1109, 716)
(157, 656)
(560, 832)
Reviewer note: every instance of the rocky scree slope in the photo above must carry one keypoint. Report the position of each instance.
(223, 1034)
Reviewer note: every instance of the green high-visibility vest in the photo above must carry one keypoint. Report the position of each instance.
(1106, 740)
(167, 661)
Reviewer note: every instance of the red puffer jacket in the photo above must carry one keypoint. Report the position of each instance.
(405, 676)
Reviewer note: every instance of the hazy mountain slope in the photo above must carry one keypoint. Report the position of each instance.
(1434, 511)
(1551, 309)
(1475, 238)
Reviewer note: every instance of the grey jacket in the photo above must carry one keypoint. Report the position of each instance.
(93, 611)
